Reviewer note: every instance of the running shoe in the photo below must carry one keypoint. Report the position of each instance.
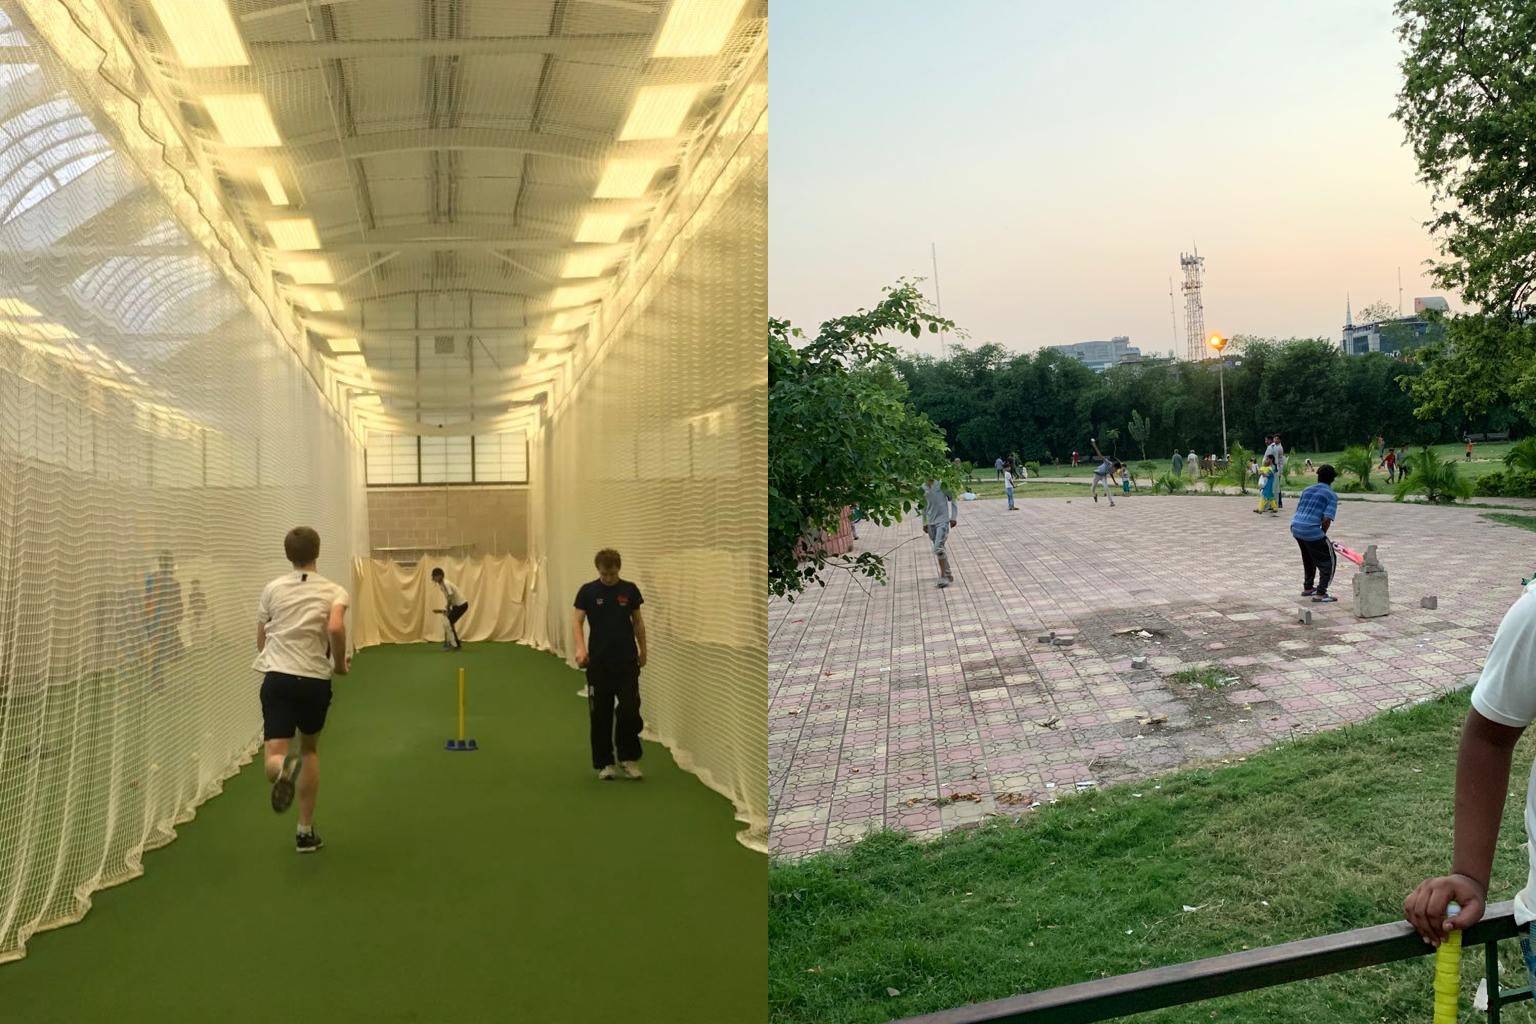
(632, 770)
(942, 583)
(608, 772)
(1309, 592)
(1324, 599)
(282, 786)
(308, 842)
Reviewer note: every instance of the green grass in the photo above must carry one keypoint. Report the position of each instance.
(1326, 834)
(1486, 458)
(1046, 490)
(1522, 522)
(506, 884)
(1210, 677)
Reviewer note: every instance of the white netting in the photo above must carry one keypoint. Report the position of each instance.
(146, 410)
(660, 449)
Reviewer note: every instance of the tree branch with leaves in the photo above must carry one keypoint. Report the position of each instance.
(842, 433)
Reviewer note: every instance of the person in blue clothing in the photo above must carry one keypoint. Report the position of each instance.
(1315, 511)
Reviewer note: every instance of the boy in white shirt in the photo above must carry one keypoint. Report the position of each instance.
(1503, 705)
(453, 609)
(301, 640)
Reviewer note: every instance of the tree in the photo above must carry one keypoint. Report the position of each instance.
(1376, 312)
(1468, 109)
(841, 432)
(1139, 428)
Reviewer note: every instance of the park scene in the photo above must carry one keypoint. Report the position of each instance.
(1170, 682)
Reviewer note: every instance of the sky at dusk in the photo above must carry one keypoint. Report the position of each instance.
(1061, 156)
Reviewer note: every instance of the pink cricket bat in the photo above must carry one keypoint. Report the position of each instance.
(1353, 556)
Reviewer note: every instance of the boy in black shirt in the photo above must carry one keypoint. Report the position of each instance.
(613, 658)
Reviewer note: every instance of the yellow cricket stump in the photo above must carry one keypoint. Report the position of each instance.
(461, 743)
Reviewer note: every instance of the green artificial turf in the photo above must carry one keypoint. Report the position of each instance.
(506, 884)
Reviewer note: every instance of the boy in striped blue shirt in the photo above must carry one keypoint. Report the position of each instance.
(1315, 511)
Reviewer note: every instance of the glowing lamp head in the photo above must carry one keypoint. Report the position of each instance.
(1216, 342)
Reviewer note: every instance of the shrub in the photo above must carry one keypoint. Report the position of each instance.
(1437, 479)
(1169, 484)
(1499, 484)
(1236, 471)
(1359, 461)
(1522, 455)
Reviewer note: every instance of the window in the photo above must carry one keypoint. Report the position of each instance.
(501, 458)
(445, 460)
(392, 459)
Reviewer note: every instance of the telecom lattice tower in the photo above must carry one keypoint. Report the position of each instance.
(1194, 312)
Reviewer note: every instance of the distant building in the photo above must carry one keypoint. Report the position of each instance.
(1101, 355)
(1399, 334)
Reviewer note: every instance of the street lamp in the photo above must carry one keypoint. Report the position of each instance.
(1217, 343)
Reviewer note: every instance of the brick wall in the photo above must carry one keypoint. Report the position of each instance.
(482, 520)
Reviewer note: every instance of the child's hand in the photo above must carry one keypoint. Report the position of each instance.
(1425, 906)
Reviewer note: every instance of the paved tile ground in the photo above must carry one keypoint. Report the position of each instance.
(910, 707)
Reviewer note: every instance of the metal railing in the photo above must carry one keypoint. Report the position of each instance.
(1180, 984)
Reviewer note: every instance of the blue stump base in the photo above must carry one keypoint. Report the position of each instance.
(461, 745)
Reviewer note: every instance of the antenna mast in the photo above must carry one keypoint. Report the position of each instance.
(1173, 317)
(938, 299)
(1193, 265)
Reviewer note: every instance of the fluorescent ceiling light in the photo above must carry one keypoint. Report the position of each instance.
(659, 111)
(551, 343)
(626, 179)
(697, 28)
(274, 186)
(293, 233)
(565, 322)
(372, 401)
(602, 227)
(352, 359)
(586, 264)
(203, 33)
(344, 346)
(309, 271)
(331, 302)
(243, 119)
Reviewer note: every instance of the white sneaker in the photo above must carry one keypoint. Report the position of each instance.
(609, 772)
(632, 769)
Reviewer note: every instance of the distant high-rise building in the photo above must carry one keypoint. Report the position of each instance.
(1101, 355)
(1398, 334)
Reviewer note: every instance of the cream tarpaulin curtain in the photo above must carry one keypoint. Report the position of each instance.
(659, 449)
(394, 603)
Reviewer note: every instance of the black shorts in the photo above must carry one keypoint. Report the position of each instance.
(293, 702)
